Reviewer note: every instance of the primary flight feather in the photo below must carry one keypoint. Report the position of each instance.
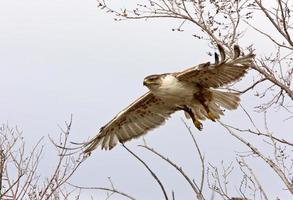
(192, 90)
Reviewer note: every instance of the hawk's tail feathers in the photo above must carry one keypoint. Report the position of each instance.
(228, 100)
(220, 100)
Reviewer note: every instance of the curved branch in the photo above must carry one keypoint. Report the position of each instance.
(149, 169)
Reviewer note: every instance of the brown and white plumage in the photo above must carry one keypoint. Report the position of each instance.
(144, 114)
(192, 90)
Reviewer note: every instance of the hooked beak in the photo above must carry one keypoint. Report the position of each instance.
(145, 82)
(148, 82)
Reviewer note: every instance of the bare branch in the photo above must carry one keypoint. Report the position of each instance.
(104, 189)
(149, 169)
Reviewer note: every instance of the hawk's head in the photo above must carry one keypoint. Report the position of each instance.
(153, 81)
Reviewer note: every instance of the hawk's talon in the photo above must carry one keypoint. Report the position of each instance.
(211, 116)
(197, 124)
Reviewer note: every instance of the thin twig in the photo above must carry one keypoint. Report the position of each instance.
(273, 165)
(149, 169)
(200, 156)
(103, 189)
(194, 187)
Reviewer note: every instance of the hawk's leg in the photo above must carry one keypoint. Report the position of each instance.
(195, 121)
(210, 115)
(204, 97)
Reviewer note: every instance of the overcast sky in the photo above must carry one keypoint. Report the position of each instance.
(61, 57)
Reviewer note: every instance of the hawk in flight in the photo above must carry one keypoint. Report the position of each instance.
(193, 91)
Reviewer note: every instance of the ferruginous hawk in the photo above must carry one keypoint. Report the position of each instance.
(193, 90)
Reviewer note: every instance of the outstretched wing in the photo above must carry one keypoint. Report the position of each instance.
(218, 74)
(144, 114)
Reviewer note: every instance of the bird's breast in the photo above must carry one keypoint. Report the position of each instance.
(174, 90)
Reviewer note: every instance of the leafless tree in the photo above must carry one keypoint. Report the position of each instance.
(228, 23)
(217, 22)
(20, 171)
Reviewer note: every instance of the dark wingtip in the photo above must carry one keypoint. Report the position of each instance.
(237, 51)
(217, 60)
(222, 52)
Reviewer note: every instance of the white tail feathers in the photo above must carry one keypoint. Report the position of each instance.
(228, 100)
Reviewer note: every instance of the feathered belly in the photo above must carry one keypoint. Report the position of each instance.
(177, 93)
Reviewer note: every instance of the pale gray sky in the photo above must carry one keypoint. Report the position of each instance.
(62, 57)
